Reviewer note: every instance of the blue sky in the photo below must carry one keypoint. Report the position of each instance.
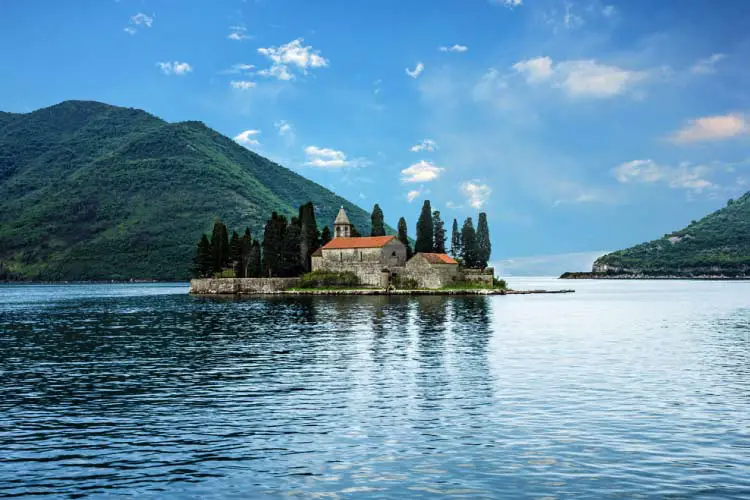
(577, 126)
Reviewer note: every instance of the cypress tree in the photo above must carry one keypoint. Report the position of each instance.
(290, 263)
(273, 240)
(469, 244)
(325, 236)
(455, 240)
(235, 253)
(484, 246)
(354, 233)
(254, 268)
(424, 241)
(403, 236)
(378, 223)
(246, 242)
(219, 246)
(309, 239)
(203, 262)
(438, 228)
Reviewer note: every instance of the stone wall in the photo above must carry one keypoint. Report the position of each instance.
(485, 275)
(430, 276)
(234, 286)
(366, 263)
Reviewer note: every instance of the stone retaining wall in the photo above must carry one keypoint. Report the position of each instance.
(484, 276)
(234, 286)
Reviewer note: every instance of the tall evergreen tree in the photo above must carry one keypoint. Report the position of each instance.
(273, 241)
(203, 262)
(378, 222)
(309, 240)
(438, 229)
(455, 240)
(290, 263)
(254, 267)
(246, 242)
(469, 244)
(325, 236)
(403, 236)
(484, 246)
(220, 246)
(354, 232)
(235, 253)
(424, 241)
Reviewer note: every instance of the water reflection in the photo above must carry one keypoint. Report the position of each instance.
(168, 395)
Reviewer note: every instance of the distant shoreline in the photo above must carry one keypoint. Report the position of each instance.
(663, 277)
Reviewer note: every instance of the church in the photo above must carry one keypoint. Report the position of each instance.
(376, 259)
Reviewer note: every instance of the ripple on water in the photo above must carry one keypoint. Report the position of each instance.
(622, 389)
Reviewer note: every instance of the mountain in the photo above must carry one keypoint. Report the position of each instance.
(90, 191)
(717, 245)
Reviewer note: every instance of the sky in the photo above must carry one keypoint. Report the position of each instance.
(579, 126)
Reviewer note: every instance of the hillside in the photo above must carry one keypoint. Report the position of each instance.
(93, 191)
(717, 245)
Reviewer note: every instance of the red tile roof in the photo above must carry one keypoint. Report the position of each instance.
(439, 258)
(364, 242)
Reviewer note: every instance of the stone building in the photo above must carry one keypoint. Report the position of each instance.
(432, 270)
(367, 257)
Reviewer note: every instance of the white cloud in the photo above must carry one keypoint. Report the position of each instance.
(477, 194)
(454, 48)
(508, 3)
(247, 138)
(580, 78)
(239, 68)
(422, 171)
(413, 195)
(290, 56)
(242, 84)
(414, 73)
(708, 65)
(325, 157)
(712, 128)
(535, 70)
(425, 145)
(684, 176)
(609, 10)
(238, 33)
(284, 128)
(175, 68)
(142, 19)
(453, 205)
(587, 78)
(130, 30)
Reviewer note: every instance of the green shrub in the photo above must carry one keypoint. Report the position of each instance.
(326, 279)
(401, 283)
(499, 284)
(226, 273)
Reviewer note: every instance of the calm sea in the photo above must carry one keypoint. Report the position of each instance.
(623, 389)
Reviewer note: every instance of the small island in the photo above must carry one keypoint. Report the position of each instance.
(295, 258)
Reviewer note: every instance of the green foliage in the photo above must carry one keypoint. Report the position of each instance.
(220, 246)
(203, 262)
(354, 233)
(273, 245)
(377, 221)
(226, 273)
(290, 263)
(438, 228)
(402, 283)
(309, 234)
(92, 191)
(717, 244)
(455, 241)
(254, 266)
(325, 279)
(325, 236)
(484, 246)
(469, 244)
(403, 236)
(425, 237)
(499, 284)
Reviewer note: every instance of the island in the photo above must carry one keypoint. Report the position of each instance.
(297, 259)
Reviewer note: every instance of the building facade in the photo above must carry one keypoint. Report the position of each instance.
(432, 270)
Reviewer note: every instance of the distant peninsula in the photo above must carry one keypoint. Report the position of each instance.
(715, 247)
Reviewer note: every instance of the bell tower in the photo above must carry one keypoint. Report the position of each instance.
(342, 228)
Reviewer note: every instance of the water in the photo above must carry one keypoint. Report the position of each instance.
(623, 389)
